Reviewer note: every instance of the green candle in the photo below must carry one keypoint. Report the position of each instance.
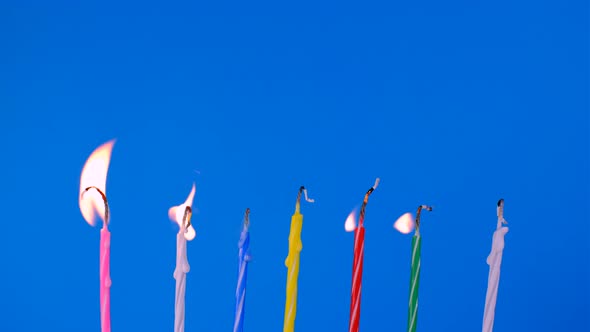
(415, 272)
(414, 283)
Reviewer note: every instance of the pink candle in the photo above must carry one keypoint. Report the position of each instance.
(92, 203)
(105, 279)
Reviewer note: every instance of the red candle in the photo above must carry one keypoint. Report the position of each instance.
(357, 276)
(357, 267)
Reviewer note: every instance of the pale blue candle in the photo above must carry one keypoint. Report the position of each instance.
(243, 258)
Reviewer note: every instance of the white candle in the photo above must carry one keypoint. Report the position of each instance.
(93, 202)
(494, 261)
(182, 268)
(182, 215)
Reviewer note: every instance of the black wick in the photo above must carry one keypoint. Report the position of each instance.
(427, 208)
(186, 219)
(104, 198)
(247, 217)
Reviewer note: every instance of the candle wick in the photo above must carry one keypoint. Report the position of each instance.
(500, 208)
(310, 200)
(104, 198)
(298, 203)
(247, 218)
(304, 191)
(186, 219)
(500, 213)
(425, 207)
(365, 201)
(377, 180)
(370, 191)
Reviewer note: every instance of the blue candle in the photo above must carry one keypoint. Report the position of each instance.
(243, 258)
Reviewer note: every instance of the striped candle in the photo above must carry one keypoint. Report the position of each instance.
(357, 266)
(243, 259)
(494, 261)
(105, 279)
(357, 275)
(414, 283)
(292, 264)
(415, 272)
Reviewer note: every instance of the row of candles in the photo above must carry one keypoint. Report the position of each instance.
(93, 202)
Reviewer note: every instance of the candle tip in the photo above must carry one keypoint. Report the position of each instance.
(304, 191)
(370, 191)
(189, 230)
(377, 180)
(500, 212)
(186, 219)
(247, 217)
(310, 200)
(420, 208)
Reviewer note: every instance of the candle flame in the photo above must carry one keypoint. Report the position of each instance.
(350, 223)
(176, 213)
(94, 174)
(405, 223)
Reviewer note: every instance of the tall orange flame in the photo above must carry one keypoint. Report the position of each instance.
(94, 174)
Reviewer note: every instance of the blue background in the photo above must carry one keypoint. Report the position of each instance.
(453, 104)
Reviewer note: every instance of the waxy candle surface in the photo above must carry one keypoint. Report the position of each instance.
(494, 260)
(105, 279)
(414, 283)
(182, 268)
(357, 265)
(292, 264)
(243, 258)
(357, 278)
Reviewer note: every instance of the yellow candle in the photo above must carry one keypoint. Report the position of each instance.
(292, 264)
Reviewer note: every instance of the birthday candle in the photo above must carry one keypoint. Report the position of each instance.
(182, 215)
(105, 277)
(94, 175)
(292, 264)
(494, 261)
(357, 266)
(415, 272)
(243, 259)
